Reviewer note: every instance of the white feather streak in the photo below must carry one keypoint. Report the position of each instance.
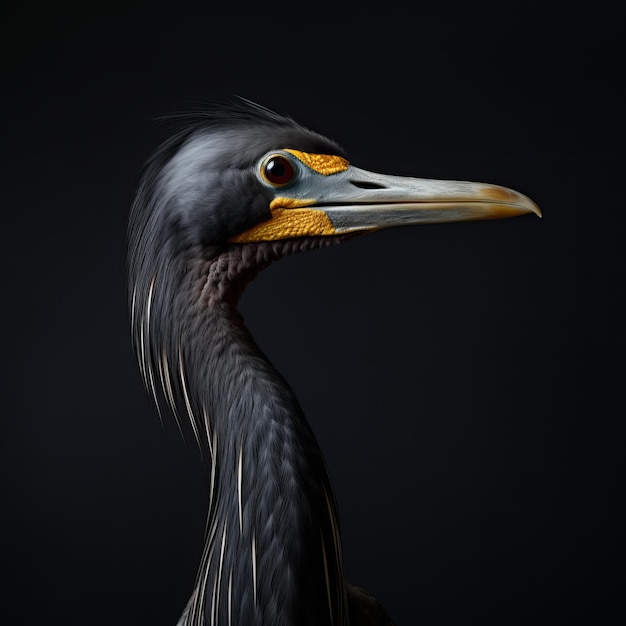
(239, 477)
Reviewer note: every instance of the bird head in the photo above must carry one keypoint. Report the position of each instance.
(244, 174)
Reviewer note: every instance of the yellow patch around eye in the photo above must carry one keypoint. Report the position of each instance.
(287, 223)
(325, 164)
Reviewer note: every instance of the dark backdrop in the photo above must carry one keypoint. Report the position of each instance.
(465, 381)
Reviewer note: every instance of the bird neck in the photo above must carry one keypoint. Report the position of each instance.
(273, 551)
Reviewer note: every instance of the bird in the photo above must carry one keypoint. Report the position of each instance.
(236, 187)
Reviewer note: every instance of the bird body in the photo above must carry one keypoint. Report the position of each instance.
(236, 189)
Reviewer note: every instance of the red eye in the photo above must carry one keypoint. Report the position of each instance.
(277, 170)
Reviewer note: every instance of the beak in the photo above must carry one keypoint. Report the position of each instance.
(332, 197)
(356, 200)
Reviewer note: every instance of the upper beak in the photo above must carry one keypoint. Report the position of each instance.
(357, 199)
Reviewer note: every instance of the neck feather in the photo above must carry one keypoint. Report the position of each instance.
(273, 550)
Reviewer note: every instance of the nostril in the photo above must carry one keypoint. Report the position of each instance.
(366, 184)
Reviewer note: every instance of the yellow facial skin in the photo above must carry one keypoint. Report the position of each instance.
(289, 217)
(325, 164)
(287, 222)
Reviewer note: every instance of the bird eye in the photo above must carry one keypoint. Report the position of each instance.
(277, 170)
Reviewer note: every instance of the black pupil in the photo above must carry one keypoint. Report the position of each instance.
(278, 170)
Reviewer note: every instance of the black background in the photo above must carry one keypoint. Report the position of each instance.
(465, 381)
